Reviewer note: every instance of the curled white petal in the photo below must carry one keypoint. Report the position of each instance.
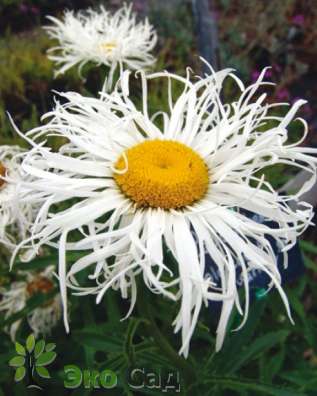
(237, 140)
(103, 38)
(16, 215)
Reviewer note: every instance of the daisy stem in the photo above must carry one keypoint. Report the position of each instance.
(179, 362)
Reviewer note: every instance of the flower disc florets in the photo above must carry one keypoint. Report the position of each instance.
(162, 174)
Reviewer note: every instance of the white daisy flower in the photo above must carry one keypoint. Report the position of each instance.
(42, 319)
(101, 37)
(15, 216)
(142, 188)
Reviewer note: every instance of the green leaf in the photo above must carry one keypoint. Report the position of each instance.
(273, 366)
(308, 247)
(310, 264)
(236, 341)
(42, 372)
(305, 377)
(99, 342)
(118, 363)
(129, 347)
(17, 361)
(39, 348)
(45, 359)
(19, 374)
(260, 345)
(50, 347)
(155, 358)
(20, 349)
(30, 343)
(238, 384)
(113, 310)
(298, 307)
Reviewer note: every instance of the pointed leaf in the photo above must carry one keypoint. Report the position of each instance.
(20, 349)
(238, 384)
(30, 342)
(39, 348)
(17, 361)
(252, 350)
(45, 359)
(50, 347)
(222, 362)
(273, 365)
(42, 372)
(100, 342)
(128, 345)
(308, 247)
(19, 374)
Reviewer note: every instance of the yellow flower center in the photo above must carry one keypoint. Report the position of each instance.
(3, 172)
(108, 47)
(162, 174)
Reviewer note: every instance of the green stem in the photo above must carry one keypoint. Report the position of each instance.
(179, 362)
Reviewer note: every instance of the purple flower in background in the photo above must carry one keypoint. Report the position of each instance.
(139, 6)
(23, 8)
(282, 94)
(298, 19)
(276, 67)
(268, 73)
(35, 10)
(256, 73)
(295, 99)
(216, 15)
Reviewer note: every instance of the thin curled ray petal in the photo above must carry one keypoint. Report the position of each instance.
(236, 142)
(103, 38)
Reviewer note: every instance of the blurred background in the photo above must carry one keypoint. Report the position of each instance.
(246, 35)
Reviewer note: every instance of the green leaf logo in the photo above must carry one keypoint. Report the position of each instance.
(50, 347)
(45, 359)
(39, 348)
(32, 360)
(20, 349)
(19, 374)
(30, 342)
(17, 361)
(42, 372)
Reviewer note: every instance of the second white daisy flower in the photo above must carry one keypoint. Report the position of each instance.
(102, 37)
(16, 215)
(14, 298)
